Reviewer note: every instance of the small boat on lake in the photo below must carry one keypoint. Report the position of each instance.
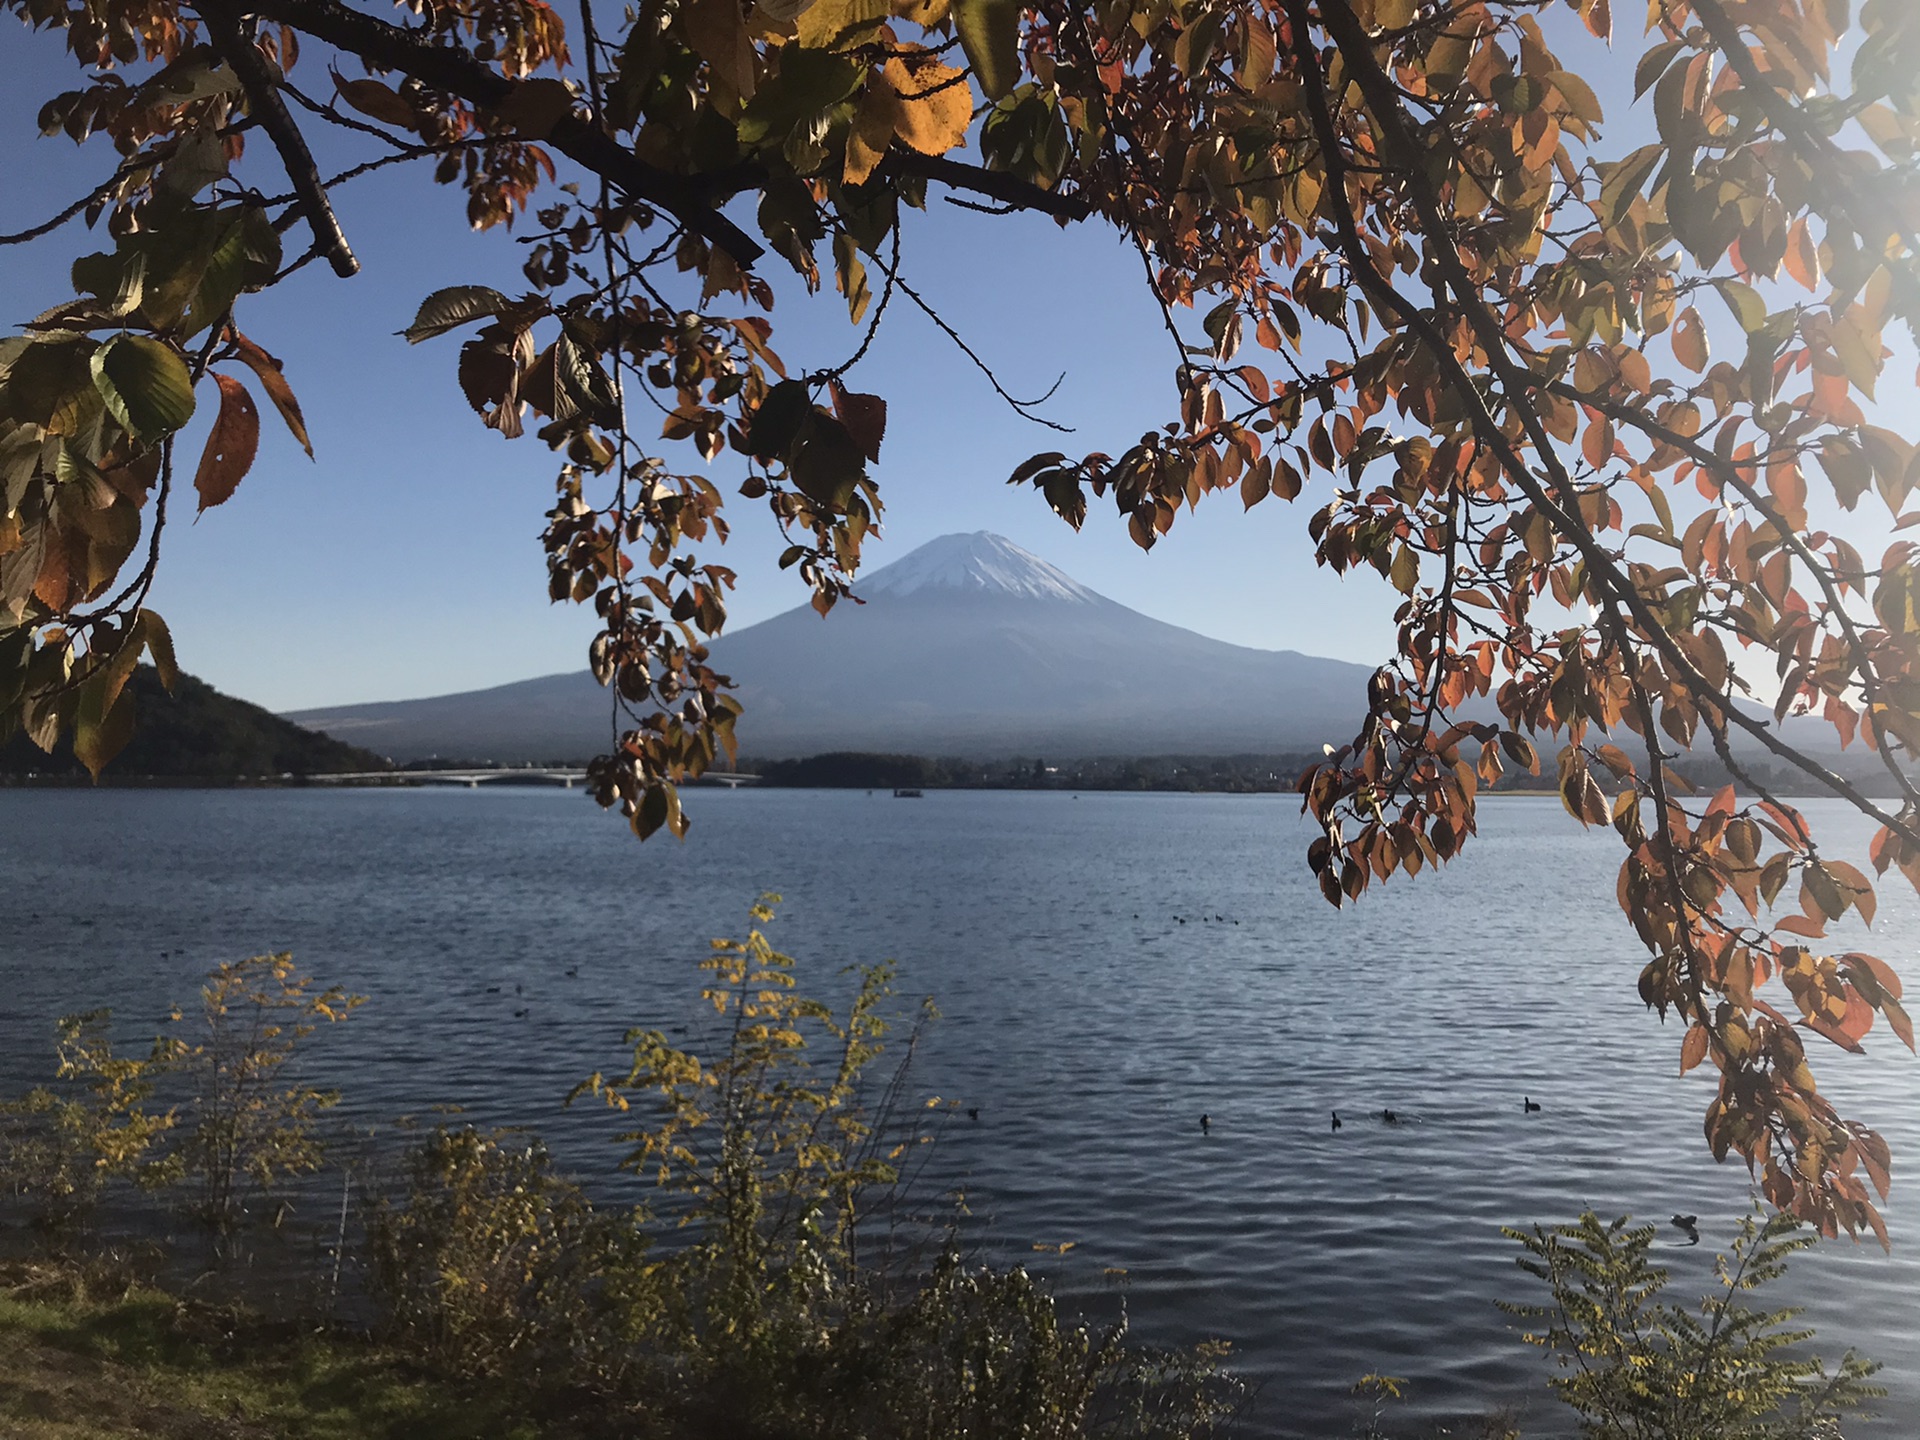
(907, 795)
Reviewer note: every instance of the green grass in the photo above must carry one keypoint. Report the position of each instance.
(135, 1362)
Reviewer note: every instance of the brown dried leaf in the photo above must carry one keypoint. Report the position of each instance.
(231, 444)
(274, 382)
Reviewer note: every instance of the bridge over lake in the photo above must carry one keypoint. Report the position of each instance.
(475, 776)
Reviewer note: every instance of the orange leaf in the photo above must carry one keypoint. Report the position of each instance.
(1803, 256)
(870, 134)
(1693, 1049)
(231, 444)
(377, 102)
(1789, 488)
(275, 384)
(1826, 1028)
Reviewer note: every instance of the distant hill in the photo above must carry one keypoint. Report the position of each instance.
(969, 646)
(197, 733)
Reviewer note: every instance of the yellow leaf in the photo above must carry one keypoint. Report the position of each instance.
(871, 133)
(925, 13)
(836, 24)
(1582, 103)
(932, 103)
(1690, 340)
(1858, 358)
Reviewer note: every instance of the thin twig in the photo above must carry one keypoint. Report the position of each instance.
(47, 227)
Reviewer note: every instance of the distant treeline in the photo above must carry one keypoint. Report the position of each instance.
(859, 770)
(195, 735)
(1232, 774)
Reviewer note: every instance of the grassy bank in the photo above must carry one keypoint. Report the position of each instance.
(88, 1353)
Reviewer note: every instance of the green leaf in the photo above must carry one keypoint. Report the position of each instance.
(245, 256)
(453, 307)
(145, 383)
(1745, 302)
(990, 34)
(1623, 182)
(103, 720)
(117, 277)
(1197, 42)
(794, 102)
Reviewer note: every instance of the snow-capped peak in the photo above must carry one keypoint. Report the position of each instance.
(981, 563)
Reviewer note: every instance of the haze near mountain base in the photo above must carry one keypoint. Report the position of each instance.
(968, 646)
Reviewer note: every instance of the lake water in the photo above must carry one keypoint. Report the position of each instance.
(1108, 968)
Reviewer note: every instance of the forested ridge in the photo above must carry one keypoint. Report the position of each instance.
(197, 733)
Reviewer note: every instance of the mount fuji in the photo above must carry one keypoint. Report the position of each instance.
(968, 646)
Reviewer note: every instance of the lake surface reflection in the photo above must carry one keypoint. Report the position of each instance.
(1108, 967)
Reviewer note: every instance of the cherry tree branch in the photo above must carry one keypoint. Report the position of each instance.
(385, 46)
(1356, 47)
(263, 98)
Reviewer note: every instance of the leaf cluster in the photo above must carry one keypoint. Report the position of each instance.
(1607, 420)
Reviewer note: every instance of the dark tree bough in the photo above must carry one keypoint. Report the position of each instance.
(1490, 331)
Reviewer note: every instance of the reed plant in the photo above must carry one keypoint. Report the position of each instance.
(1634, 1366)
(770, 1283)
(62, 1145)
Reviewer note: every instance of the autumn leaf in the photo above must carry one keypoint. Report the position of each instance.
(1690, 340)
(376, 101)
(1693, 1049)
(932, 105)
(870, 134)
(274, 381)
(453, 307)
(230, 444)
(865, 417)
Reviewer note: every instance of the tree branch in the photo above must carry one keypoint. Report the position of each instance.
(263, 98)
(1729, 475)
(995, 184)
(691, 199)
(47, 227)
(1357, 49)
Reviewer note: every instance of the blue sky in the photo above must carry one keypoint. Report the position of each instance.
(405, 559)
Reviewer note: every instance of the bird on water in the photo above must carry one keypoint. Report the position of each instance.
(1389, 1117)
(973, 1112)
(1336, 1119)
(1206, 1125)
(1530, 1104)
(1689, 1226)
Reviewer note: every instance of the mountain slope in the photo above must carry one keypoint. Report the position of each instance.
(198, 733)
(967, 646)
